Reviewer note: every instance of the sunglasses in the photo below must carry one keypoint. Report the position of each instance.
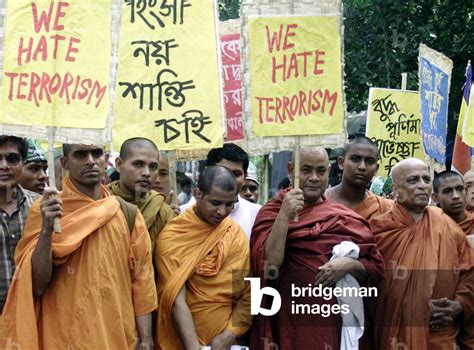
(11, 158)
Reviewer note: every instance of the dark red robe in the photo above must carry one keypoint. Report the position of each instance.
(308, 246)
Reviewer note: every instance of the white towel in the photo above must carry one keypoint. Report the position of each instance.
(353, 322)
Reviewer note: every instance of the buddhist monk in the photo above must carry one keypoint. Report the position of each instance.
(138, 167)
(359, 164)
(237, 161)
(469, 183)
(450, 195)
(428, 288)
(90, 286)
(202, 258)
(286, 252)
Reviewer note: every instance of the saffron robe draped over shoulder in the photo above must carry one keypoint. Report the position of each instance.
(308, 246)
(212, 261)
(372, 206)
(102, 279)
(429, 259)
(153, 208)
(467, 225)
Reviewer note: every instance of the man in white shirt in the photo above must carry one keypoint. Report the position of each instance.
(236, 160)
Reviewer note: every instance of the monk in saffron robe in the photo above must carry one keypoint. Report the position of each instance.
(89, 287)
(449, 194)
(359, 164)
(428, 289)
(138, 165)
(202, 258)
(469, 183)
(286, 253)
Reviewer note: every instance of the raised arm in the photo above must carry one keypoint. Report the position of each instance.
(42, 259)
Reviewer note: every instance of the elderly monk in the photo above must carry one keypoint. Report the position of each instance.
(138, 168)
(285, 252)
(90, 286)
(359, 164)
(469, 183)
(428, 289)
(202, 258)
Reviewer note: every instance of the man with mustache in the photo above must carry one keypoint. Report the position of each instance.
(90, 286)
(359, 164)
(202, 258)
(138, 165)
(287, 252)
(15, 202)
(428, 288)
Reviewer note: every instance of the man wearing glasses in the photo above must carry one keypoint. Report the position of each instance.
(15, 202)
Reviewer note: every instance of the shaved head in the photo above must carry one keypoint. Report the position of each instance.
(469, 176)
(399, 171)
(216, 176)
(319, 152)
(469, 183)
(139, 142)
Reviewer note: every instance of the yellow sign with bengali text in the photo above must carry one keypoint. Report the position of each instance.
(296, 75)
(393, 123)
(56, 64)
(168, 85)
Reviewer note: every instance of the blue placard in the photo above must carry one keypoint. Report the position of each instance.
(434, 94)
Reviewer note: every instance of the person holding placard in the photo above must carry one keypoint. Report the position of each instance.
(428, 288)
(288, 254)
(34, 176)
(202, 258)
(138, 167)
(15, 203)
(359, 164)
(90, 286)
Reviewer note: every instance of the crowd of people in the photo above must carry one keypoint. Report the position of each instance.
(131, 268)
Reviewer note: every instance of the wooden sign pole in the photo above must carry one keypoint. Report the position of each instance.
(51, 171)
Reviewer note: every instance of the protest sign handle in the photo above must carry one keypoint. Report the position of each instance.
(404, 81)
(172, 170)
(52, 178)
(296, 168)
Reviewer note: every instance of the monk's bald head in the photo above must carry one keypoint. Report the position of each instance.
(313, 173)
(129, 145)
(216, 176)
(412, 184)
(469, 183)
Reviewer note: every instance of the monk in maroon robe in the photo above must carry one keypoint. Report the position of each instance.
(286, 253)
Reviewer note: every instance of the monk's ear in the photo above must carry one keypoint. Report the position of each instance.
(118, 164)
(394, 191)
(290, 167)
(63, 160)
(435, 198)
(340, 162)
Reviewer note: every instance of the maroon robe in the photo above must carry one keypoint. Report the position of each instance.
(308, 246)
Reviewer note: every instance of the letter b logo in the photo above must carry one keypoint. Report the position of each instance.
(256, 295)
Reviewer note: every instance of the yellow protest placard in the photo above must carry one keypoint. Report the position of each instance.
(393, 123)
(56, 64)
(296, 75)
(168, 87)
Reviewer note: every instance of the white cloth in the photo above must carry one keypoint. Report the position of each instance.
(353, 322)
(244, 213)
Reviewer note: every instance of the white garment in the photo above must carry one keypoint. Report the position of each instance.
(353, 322)
(244, 213)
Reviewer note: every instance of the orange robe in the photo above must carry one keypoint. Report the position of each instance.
(372, 206)
(102, 279)
(467, 225)
(213, 262)
(429, 259)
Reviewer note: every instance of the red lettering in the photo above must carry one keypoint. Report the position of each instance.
(21, 83)
(286, 106)
(12, 77)
(56, 38)
(275, 40)
(305, 60)
(317, 62)
(99, 93)
(26, 50)
(276, 67)
(59, 14)
(287, 45)
(44, 20)
(41, 48)
(55, 84)
(44, 87)
(35, 83)
(67, 82)
(293, 67)
(302, 102)
(318, 104)
(82, 95)
(72, 49)
(328, 98)
(278, 116)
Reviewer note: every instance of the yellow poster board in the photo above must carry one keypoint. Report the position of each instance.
(296, 75)
(168, 87)
(393, 123)
(56, 64)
